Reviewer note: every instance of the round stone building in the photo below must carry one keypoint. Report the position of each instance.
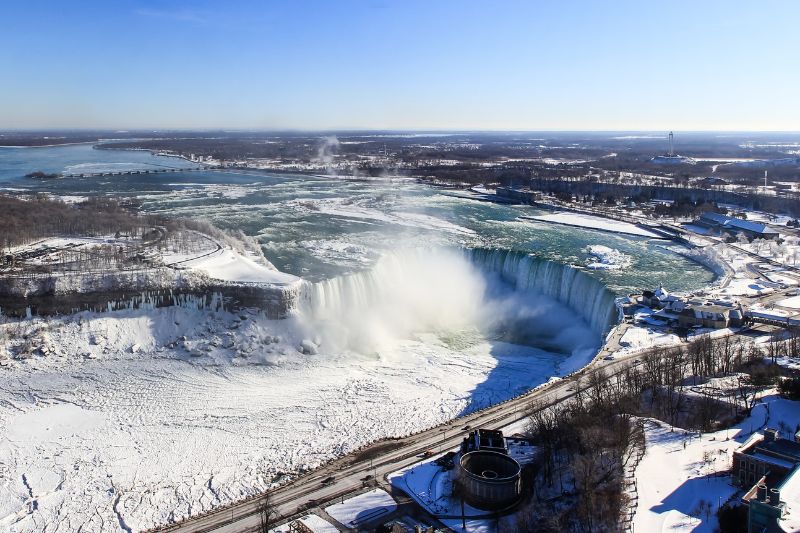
(490, 480)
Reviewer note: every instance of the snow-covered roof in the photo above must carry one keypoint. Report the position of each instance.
(737, 223)
(768, 459)
(790, 493)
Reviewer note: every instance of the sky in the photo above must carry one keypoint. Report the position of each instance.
(406, 64)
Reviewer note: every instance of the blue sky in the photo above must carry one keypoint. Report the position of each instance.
(528, 65)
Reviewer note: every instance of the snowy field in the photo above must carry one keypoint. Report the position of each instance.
(228, 265)
(136, 418)
(593, 222)
(682, 470)
(791, 303)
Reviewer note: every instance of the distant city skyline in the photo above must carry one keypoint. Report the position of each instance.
(411, 65)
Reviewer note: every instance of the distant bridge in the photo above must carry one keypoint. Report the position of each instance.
(132, 172)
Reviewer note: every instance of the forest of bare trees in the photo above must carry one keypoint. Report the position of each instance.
(26, 219)
(586, 442)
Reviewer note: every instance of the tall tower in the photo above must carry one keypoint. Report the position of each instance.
(671, 151)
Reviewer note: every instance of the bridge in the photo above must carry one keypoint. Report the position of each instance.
(140, 171)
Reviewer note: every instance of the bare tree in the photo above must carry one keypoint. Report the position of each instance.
(267, 513)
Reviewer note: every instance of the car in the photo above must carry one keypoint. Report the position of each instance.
(328, 480)
(465, 428)
(368, 477)
(608, 358)
(427, 453)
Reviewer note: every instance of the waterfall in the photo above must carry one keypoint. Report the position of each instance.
(428, 290)
(570, 286)
(405, 292)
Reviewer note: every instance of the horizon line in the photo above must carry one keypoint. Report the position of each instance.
(385, 130)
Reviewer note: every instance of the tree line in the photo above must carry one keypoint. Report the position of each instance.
(585, 443)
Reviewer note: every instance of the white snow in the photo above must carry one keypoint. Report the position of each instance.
(364, 508)
(791, 303)
(605, 258)
(228, 265)
(211, 407)
(636, 338)
(681, 469)
(594, 222)
(745, 286)
(792, 363)
(431, 487)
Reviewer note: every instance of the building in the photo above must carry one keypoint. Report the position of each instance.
(720, 224)
(770, 467)
(485, 439)
(662, 299)
(489, 478)
(710, 316)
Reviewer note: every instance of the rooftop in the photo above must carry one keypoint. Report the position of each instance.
(737, 223)
(766, 446)
(790, 493)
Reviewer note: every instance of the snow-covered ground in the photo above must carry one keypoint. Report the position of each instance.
(153, 415)
(364, 508)
(593, 222)
(228, 265)
(637, 338)
(792, 363)
(791, 303)
(744, 286)
(431, 487)
(682, 470)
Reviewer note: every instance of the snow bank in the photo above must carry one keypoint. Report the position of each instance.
(593, 222)
(637, 338)
(314, 523)
(227, 265)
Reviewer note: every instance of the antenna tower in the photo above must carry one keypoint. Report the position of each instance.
(671, 151)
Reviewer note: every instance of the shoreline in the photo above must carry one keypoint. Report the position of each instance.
(653, 236)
